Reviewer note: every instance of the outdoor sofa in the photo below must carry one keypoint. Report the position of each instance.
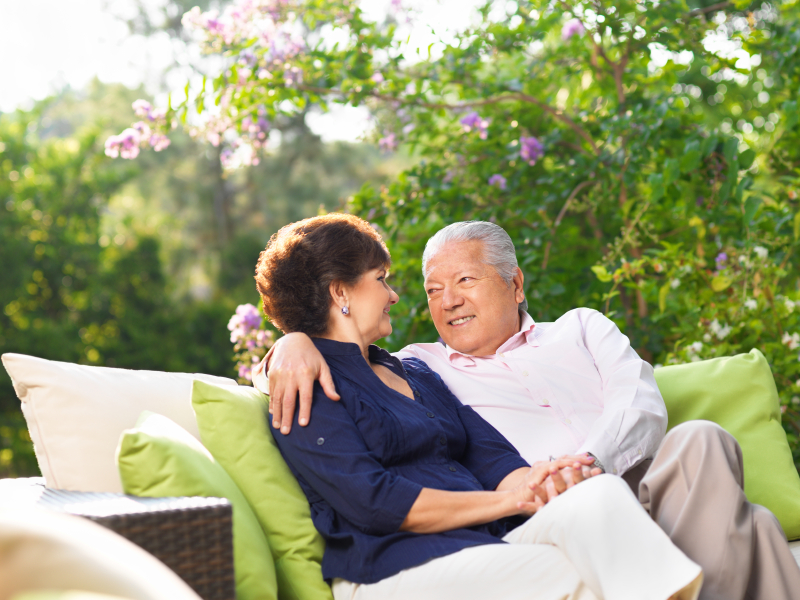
(145, 433)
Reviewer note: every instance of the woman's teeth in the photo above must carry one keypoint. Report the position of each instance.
(461, 320)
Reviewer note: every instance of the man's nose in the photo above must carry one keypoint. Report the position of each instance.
(451, 299)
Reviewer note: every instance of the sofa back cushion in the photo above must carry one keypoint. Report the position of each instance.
(234, 426)
(160, 459)
(76, 413)
(739, 394)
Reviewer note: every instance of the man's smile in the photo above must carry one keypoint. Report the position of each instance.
(462, 320)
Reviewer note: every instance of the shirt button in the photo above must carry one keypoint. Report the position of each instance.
(501, 355)
(320, 441)
(524, 373)
(453, 469)
(568, 422)
(430, 414)
(443, 441)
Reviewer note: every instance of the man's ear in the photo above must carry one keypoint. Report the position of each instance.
(517, 281)
(338, 293)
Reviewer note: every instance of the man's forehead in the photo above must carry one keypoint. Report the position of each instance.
(449, 264)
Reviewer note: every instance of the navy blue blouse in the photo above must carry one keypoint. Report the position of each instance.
(363, 461)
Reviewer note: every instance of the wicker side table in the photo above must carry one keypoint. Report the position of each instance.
(192, 536)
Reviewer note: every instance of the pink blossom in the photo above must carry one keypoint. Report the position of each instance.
(498, 180)
(388, 142)
(142, 108)
(377, 77)
(473, 121)
(159, 142)
(572, 27)
(245, 372)
(531, 149)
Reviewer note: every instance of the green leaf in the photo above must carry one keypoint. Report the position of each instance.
(721, 282)
(746, 159)
(663, 292)
(791, 113)
(730, 151)
(750, 207)
(690, 161)
(602, 274)
(671, 171)
(656, 182)
(797, 227)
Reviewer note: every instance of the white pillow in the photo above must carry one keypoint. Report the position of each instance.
(43, 550)
(76, 414)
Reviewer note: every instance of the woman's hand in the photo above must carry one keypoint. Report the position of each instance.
(531, 494)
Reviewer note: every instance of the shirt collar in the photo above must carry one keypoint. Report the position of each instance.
(525, 335)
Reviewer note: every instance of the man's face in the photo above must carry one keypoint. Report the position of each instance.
(474, 310)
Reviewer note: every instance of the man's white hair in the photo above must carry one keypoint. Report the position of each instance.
(498, 249)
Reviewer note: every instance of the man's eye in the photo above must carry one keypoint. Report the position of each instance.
(432, 291)
(466, 279)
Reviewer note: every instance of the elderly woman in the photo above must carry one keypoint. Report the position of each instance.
(417, 496)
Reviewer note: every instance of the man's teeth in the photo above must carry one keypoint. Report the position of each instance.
(461, 320)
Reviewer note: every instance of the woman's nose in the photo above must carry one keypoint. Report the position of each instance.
(393, 297)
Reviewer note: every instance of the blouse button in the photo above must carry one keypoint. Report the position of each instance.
(430, 414)
(320, 441)
(453, 469)
(443, 440)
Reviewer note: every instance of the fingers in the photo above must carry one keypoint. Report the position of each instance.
(288, 402)
(306, 389)
(275, 406)
(326, 381)
(597, 471)
(558, 480)
(577, 473)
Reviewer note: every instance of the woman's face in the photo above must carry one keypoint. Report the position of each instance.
(369, 303)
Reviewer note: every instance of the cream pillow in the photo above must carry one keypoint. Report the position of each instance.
(42, 550)
(76, 414)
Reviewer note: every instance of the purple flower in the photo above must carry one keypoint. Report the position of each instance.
(249, 315)
(474, 121)
(388, 142)
(126, 144)
(498, 180)
(245, 372)
(377, 78)
(572, 27)
(142, 108)
(721, 259)
(531, 149)
(159, 141)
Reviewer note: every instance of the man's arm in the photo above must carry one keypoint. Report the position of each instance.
(634, 417)
(294, 364)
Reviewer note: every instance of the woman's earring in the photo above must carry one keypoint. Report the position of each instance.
(345, 310)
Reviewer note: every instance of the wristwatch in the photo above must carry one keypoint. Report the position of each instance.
(597, 464)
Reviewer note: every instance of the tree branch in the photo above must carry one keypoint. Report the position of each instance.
(576, 190)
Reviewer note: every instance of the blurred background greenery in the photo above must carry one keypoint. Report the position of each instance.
(140, 264)
(666, 195)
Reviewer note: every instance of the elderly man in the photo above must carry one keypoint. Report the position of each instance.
(572, 387)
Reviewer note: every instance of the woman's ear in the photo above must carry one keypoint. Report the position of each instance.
(338, 293)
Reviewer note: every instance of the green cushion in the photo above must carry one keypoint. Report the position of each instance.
(234, 427)
(159, 458)
(739, 394)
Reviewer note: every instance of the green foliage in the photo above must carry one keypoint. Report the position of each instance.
(667, 195)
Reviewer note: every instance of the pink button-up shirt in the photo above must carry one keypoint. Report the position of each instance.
(567, 387)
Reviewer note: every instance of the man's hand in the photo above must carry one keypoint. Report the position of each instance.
(294, 365)
(531, 495)
(580, 470)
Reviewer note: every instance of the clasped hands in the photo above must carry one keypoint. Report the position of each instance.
(547, 479)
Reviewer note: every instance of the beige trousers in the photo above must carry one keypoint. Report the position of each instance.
(592, 542)
(693, 490)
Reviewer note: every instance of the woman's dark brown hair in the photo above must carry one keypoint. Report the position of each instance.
(296, 268)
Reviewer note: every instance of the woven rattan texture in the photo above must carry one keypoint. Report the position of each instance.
(192, 536)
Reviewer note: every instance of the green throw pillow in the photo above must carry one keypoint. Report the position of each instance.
(738, 393)
(234, 427)
(159, 458)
